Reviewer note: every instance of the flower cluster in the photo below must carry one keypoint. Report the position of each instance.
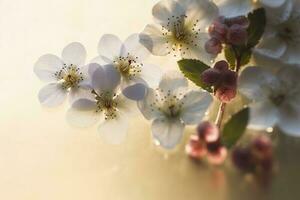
(255, 157)
(207, 143)
(230, 31)
(222, 79)
(120, 83)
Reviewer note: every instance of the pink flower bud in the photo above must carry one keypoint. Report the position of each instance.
(221, 65)
(229, 78)
(218, 30)
(210, 76)
(237, 35)
(217, 153)
(226, 93)
(213, 46)
(239, 20)
(195, 148)
(208, 132)
(262, 144)
(243, 159)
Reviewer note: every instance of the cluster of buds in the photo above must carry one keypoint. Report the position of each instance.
(229, 31)
(207, 144)
(256, 157)
(223, 80)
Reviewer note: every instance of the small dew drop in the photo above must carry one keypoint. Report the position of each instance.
(206, 113)
(270, 130)
(212, 61)
(156, 142)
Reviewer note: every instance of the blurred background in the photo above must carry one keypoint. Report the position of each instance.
(42, 157)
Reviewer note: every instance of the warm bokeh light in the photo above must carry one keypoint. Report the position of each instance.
(43, 158)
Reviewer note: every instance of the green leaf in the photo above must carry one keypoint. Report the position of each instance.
(246, 56)
(230, 56)
(257, 20)
(192, 69)
(235, 127)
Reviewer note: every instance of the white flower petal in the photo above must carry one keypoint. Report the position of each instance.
(172, 80)
(272, 3)
(105, 78)
(114, 131)
(167, 133)
(272, 47)
(263, 115)
(84, 117)
(255, 83)
(276, 15)
(127, 106)
(195, 105)
(153, 39)
(147, 107)
(52, 95)
(289, 120)
(151, 74)
(80, 93)
(291, 55)
(135, 91)
(85, 104)
(135, 48)
(109, 47)
(232, 8)
(99, 60)
(74, 53)
(205, 11)
(165, 9)
(198, 52)
(46, 66)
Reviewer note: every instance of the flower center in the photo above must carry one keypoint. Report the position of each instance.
(69, 76)
(128, 66)
(106, 102)
(180, 35)
(278, 99)
(170, 105)
(290, 30)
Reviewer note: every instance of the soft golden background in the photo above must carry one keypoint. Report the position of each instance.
(43, 158)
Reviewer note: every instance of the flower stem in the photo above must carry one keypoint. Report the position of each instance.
(220, 114)
(222, 106)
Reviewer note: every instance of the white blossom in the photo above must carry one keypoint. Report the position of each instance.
(281, 41)
(180, 28)
(64, 75)
(172, 106)
(128, 58)
(104, 105)
(275, 98)
(233, 8)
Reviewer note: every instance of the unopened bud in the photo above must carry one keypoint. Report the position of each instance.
(213, 46)
(243, 159)
(221, 65)
(237, 35)
(218, 30)
(225, 93)
(195, 148)
(239, 20)
(210, 76)
(216, 153)
(208, 132)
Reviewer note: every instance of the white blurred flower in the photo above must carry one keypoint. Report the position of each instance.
(180, 28)
(281, 41)
(105, 105)
(64, 75)
(276, 98)
(128, 58)
(171, 107)
(233, 8)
